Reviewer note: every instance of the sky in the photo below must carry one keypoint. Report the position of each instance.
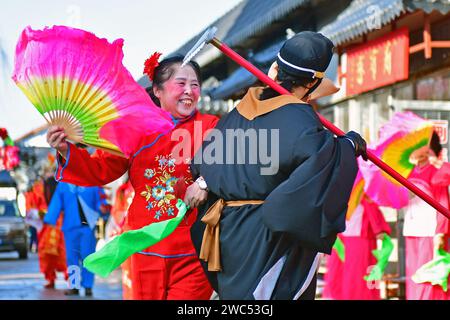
(145, 25)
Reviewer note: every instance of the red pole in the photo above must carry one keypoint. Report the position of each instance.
(264, 78)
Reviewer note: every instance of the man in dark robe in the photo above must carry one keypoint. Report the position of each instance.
(278, 184)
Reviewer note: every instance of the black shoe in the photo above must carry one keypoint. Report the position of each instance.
(72, 292)
(88, 292)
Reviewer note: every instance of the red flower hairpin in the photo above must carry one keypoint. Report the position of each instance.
(151, 64)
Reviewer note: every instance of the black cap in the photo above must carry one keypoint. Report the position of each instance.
(307, 54)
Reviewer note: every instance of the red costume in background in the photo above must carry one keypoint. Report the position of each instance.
(123, 199)
(345, 280)
(51, 248)
(52, 251)
(422, 223)
(169, 269)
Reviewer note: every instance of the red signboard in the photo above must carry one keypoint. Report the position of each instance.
(378, 62)
(441, 128)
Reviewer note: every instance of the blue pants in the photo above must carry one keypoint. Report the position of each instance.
(33, 237)
(80, 242)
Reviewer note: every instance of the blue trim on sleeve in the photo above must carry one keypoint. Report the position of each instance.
(64, 166)
(174, 120)
(148, 145)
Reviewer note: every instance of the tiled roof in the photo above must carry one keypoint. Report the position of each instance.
(363, 16)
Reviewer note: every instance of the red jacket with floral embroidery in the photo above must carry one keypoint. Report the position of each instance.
(156, 170)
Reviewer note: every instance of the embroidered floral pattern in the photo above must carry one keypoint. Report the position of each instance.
(159, 193)
(149, 173)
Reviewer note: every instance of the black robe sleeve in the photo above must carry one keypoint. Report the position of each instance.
(311, 204)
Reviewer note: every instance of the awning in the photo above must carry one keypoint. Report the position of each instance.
(268, 55)
(246, 19)
(364, 16)
(361, 17)
(238, 80)
(241, 78)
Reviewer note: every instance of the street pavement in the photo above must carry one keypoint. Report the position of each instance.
(21, 280)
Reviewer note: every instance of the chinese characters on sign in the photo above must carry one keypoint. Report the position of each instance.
(378, 63)
(441, 128)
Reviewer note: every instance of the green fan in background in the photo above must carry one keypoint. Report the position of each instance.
(382, 255)
(435, 271)
(340, 249)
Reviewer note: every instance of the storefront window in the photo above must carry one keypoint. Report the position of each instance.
(341, 115)
(404, 92)
(384, 109)
(328, 114)
(434, 87)
(374, 112)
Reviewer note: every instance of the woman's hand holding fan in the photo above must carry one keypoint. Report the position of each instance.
(56, 138)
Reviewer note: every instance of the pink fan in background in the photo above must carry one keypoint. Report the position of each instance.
(76, 80)
(356, 195)
(403, 134)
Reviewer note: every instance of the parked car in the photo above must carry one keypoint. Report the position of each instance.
(13, 230)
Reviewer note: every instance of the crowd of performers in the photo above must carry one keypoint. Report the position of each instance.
(60, 228)
(49, 239)
(252, 231)
(424, 229)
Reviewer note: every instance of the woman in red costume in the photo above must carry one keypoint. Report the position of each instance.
(159, 175)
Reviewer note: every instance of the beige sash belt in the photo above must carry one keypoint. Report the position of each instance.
(210, 249)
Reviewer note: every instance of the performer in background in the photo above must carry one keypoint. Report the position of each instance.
(344, 280)
(81, 207)
(35, 208)
(423, 225)
(123, 199)
(52, 252)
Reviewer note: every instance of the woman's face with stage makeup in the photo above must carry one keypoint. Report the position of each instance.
(180, 93)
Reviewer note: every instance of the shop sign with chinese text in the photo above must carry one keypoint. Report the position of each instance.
(441, 128)
(378, 62)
